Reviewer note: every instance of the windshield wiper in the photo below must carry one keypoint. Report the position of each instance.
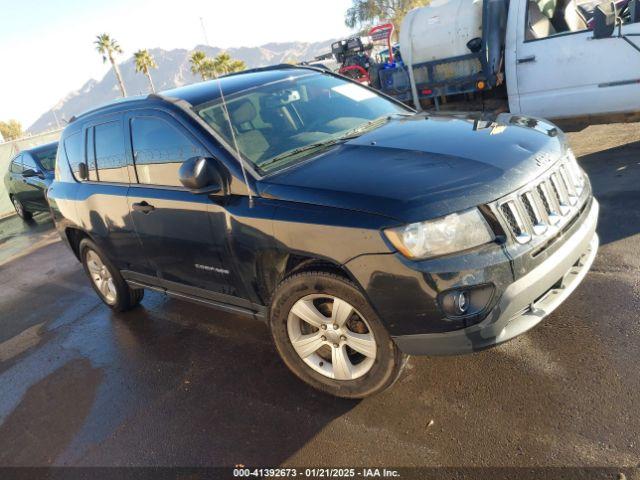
(365, 127)
(353, 133)
(296, 151)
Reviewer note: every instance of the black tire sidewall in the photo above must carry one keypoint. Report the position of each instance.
(389, 360)
(25, 215)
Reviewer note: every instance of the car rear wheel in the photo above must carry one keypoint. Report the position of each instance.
(20, 210)
(106, 280)
(330, 337)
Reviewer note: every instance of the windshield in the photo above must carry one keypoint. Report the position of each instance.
(47, 158)
(279, 123)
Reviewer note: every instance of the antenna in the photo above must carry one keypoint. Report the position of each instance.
(235, 140)
(228, 118)
(204, 32)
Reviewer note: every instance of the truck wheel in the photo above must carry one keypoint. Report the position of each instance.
(107, 280)
(20, 210)
(329, 336)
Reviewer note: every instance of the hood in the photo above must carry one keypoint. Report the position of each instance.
(425, 166)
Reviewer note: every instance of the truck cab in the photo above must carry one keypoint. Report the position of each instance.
(559, 59)
(556, 67)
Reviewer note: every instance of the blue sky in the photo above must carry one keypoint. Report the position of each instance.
(46, 47)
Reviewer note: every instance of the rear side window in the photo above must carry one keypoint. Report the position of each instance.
(109, 153)
(159, 149)
(28, 163)
(47, 158)
(16, 165)
(75, 155)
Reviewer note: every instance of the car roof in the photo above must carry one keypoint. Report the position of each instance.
(198, 93)
(41, 148)
(205, 92)
(37, 149)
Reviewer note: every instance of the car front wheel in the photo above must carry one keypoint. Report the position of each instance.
(330, 337)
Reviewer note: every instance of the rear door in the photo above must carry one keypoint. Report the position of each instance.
(102, 208)
(14, 177)
(184, 236)
(568, 73)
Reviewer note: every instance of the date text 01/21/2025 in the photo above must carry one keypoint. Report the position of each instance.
(316, 472)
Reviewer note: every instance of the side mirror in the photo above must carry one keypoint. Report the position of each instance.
(475, 44)
(201, 175)
(604, 18)
(29, 172)
(83, 171)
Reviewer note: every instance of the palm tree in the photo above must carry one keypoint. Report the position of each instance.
(209, 68)
(145, 61)
(224, 64)
(198, 63)
(107, 47)
(364, 13)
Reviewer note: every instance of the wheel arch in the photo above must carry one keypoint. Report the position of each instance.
(74, 236)
(291, 264)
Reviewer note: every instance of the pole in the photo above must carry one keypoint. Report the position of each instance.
(204, 32)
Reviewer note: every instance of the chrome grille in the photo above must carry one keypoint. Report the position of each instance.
(548, 203)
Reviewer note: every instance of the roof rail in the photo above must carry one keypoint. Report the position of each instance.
(184, 103)
(119, 101)
(279, 66)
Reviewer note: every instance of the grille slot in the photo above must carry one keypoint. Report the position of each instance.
(529, 207)
(543, 196)
(553, 201)
(511, 220)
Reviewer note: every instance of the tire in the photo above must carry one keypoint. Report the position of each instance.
(20, 210)
(115, 291)
(374, 367)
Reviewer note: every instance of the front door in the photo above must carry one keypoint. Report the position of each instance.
(562, 71)
(183, 235)
(33, 194)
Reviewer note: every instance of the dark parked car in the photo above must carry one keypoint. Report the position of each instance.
(358, 230)
(30, 174)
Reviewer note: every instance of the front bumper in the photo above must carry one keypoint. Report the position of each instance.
(524, 303)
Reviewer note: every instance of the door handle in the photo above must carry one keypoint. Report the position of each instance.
(143, 207)
(531, 58)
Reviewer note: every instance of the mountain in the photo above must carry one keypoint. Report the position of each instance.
(173, 70)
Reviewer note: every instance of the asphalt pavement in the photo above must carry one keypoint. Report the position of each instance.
(173, 383)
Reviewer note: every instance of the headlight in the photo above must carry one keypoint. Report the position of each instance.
(575, 172)
(453, 233)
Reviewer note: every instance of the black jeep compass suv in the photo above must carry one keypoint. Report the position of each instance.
(358, 229)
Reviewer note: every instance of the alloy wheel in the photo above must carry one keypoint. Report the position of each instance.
(101, 277)
(18, 206)
(331, 337)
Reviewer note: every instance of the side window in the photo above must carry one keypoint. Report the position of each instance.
(109, 153)
(159, 149)
(73, 146)
(16, 165)
(547, 18)
(28, 163)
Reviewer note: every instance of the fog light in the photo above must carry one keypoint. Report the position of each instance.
(481, 85)
(467, 301)
(461, 303)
